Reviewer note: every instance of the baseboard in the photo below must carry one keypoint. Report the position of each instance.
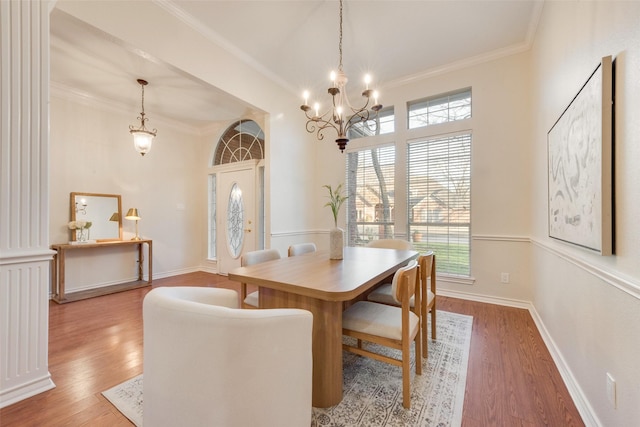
(508, 302)
(579, 399)
(25, 391)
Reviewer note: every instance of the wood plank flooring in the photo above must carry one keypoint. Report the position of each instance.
(96, 343)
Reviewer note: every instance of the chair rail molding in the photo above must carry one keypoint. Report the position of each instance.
(625, 284)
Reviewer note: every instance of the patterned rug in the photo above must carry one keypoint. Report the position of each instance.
(373, 390)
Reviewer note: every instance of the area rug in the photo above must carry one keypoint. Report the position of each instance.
(127, 398)
(373, 390)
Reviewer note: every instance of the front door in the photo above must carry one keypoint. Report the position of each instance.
(236, 218)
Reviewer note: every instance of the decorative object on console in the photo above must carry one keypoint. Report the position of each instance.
(132, 214)
(142, 137)
(82, 230)
(336, 235)
(104, 211)
(336, 116)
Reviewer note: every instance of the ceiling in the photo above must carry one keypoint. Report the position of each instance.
(295, 43)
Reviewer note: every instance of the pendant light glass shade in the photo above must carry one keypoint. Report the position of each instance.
(142, 137)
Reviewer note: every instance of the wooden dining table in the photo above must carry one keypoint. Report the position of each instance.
(316, 283)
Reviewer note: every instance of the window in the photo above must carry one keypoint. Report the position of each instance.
(385, 121)
(243, 140)
(212, 216)
(370, 188)
(439, 198)
(443, 108)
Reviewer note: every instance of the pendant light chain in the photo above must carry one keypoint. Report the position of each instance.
(142, 100)
(340, 44)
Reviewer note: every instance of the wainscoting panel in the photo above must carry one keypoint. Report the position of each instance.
(24, 331)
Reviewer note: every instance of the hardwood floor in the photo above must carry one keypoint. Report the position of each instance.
(95, 344)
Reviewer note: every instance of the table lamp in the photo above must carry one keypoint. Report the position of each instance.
(133, 214)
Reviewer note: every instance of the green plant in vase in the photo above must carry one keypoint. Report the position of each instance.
(336, 199)
(336, 235)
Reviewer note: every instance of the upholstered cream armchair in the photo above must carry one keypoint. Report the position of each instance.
(209, 363)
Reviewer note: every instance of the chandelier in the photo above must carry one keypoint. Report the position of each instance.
(341, 116)
(142, 137)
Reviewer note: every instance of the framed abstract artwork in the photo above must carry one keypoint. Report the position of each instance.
(580, 146)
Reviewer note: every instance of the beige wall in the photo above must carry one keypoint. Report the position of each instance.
(588, 303)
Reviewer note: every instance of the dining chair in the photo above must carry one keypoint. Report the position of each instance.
(391, 244)
(251, 258)
(389, 326)
(301, 249)
(427, 273)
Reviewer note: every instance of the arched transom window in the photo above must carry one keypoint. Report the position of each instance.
(243, 140)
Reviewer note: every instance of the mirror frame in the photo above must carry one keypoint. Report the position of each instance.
(72, 212)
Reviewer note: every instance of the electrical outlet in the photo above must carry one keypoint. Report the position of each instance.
(611, 389)
(504, 277)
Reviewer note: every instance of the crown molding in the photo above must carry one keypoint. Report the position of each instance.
(62, 91)
(459, 65)
(193, 23)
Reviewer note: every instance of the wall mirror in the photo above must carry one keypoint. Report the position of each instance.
(104, 211)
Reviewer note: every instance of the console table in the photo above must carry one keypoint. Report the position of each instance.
(58, 269)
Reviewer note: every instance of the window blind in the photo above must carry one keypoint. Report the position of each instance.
(439, 197)
(440, 109)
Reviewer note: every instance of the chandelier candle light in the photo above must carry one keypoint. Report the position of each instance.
(336, 117)
(142, 137)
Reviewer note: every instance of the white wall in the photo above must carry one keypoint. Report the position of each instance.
(588, 303)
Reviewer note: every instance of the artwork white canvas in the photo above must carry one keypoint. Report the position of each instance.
(579, 147)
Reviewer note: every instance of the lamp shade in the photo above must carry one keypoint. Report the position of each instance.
(115, 217)
(132, 214)
(142, 141)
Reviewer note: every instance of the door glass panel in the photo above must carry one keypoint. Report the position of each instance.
(235, 221)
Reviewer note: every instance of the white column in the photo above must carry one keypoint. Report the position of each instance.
(24, 200)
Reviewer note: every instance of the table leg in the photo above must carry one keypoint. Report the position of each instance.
(150, 260)
(61, 274)
(327, 341)
(54, 276)
(140, 259)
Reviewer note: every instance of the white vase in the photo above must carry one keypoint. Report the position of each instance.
(336, 243)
